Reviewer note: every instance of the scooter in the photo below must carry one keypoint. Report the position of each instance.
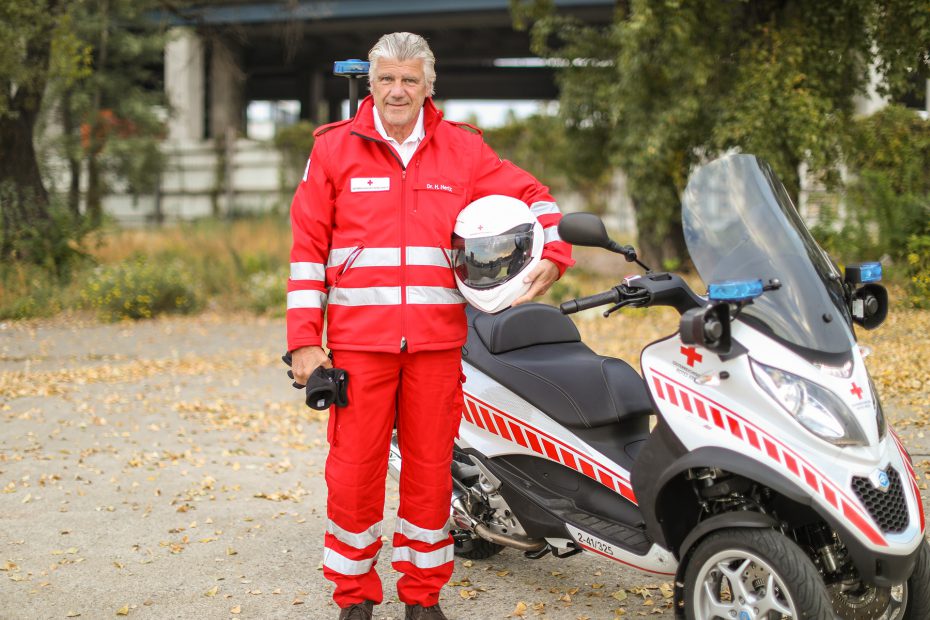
(751, 462)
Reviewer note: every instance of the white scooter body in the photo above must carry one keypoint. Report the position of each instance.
(556, 452)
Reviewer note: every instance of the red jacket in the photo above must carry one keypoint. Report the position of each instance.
(372, 239)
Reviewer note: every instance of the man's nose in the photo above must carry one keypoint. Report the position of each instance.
(397, 89)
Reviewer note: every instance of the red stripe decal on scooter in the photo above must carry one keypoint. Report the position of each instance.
(671, 394)
(793, 466)
(734, 427)
(803, 471)
(658, 385)
(587, 470)
(517, 434)
(853, 515)
(686, 402)
(543, 444)
(502, 427)
(476, 417)
(700, 409)
(488, 421)
(811, 480)
(906, 457)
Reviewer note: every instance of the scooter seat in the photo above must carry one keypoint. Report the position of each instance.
(536, 352)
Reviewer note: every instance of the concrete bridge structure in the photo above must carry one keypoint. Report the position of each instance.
(226, 53)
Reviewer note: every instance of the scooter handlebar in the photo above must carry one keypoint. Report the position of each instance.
(592, 301)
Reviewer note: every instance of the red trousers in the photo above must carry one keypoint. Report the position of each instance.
(424, 391)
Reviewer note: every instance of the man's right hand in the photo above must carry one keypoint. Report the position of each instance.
(305, 360)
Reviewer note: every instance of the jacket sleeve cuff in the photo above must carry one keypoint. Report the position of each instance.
(308, 341)
(562, 259)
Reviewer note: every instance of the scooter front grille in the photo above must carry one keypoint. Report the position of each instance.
(888, 508)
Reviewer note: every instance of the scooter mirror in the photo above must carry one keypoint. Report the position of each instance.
(584, 229)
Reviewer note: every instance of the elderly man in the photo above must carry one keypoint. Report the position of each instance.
(372, 224)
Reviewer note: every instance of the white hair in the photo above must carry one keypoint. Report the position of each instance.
(403, 46)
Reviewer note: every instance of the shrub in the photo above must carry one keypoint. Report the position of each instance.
(140, 289)
(918, 270)
(267, 292)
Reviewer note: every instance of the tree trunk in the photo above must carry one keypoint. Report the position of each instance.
(24, 213)
(69, 128)
(98, 132)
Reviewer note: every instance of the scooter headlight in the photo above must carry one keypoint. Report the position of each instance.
(816, 408)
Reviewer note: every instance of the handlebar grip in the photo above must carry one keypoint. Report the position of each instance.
(583, 303)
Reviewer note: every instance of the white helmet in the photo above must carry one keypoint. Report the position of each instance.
(495, 243)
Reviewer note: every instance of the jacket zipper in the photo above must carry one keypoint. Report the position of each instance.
(403, 235)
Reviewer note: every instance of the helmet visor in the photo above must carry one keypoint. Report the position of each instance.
(486, 262)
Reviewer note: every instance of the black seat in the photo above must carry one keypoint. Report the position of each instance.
(537, 353)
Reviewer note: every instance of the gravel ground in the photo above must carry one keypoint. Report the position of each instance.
(166, 469)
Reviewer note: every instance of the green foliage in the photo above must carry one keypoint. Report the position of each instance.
(266, 292)
(140, 289)
(918, 270)
(544, 144)
(295, 143)
(887, 199)
(670, 84)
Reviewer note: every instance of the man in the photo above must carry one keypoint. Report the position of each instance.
(372, 223)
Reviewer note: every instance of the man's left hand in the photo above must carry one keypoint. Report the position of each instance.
(540, 279)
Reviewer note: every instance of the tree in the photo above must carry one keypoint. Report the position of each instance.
(28, 32)
(671, 83)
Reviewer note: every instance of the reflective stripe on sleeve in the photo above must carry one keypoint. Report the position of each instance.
(359, 540)
(335, 561)
(307, 271)
(551, 234)
(306, 299)
(544, 207)
(414, 532)
(433, 295)
(433, 257)
(368, 257)
(423, 559)
(369, 296)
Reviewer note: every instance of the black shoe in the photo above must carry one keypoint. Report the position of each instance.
(358, 611)
(418, 612)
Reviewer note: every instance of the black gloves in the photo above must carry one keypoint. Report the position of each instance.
(326, 386)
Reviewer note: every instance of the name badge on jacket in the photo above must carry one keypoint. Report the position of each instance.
(371, 184)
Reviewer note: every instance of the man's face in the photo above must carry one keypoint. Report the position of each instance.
(399, 90)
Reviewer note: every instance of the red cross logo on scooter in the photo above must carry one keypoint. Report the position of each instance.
(692, 355)
(856, 391)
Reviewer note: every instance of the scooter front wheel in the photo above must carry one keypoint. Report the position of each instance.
(918, 587)
(751, 574)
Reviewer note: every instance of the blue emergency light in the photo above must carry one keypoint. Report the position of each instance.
(350, 68)
(734, 290)
(867, 272)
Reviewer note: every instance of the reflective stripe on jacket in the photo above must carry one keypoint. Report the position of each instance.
(372, 239)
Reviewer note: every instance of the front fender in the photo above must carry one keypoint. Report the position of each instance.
(667, 512)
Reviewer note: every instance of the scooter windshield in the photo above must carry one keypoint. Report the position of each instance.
(740, 224)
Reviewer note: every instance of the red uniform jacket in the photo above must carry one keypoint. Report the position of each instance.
(372, 238)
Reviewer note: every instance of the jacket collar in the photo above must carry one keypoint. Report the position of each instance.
(364, 121)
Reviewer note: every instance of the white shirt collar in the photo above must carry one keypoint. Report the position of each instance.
(415, 136)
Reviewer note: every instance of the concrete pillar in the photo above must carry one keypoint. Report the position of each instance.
(227, 81)
(184, 85)
(870, 102)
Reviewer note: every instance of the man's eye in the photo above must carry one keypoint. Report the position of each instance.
(410, 81)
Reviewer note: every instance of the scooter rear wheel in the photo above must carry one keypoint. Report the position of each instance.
(476, 548)
(750, 574)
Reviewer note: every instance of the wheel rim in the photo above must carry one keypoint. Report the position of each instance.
(738, 584)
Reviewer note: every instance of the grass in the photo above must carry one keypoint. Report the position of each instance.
(225, 265)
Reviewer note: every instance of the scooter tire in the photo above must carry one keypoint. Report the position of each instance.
(918, 587)
(476, 549)
(793, 569)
